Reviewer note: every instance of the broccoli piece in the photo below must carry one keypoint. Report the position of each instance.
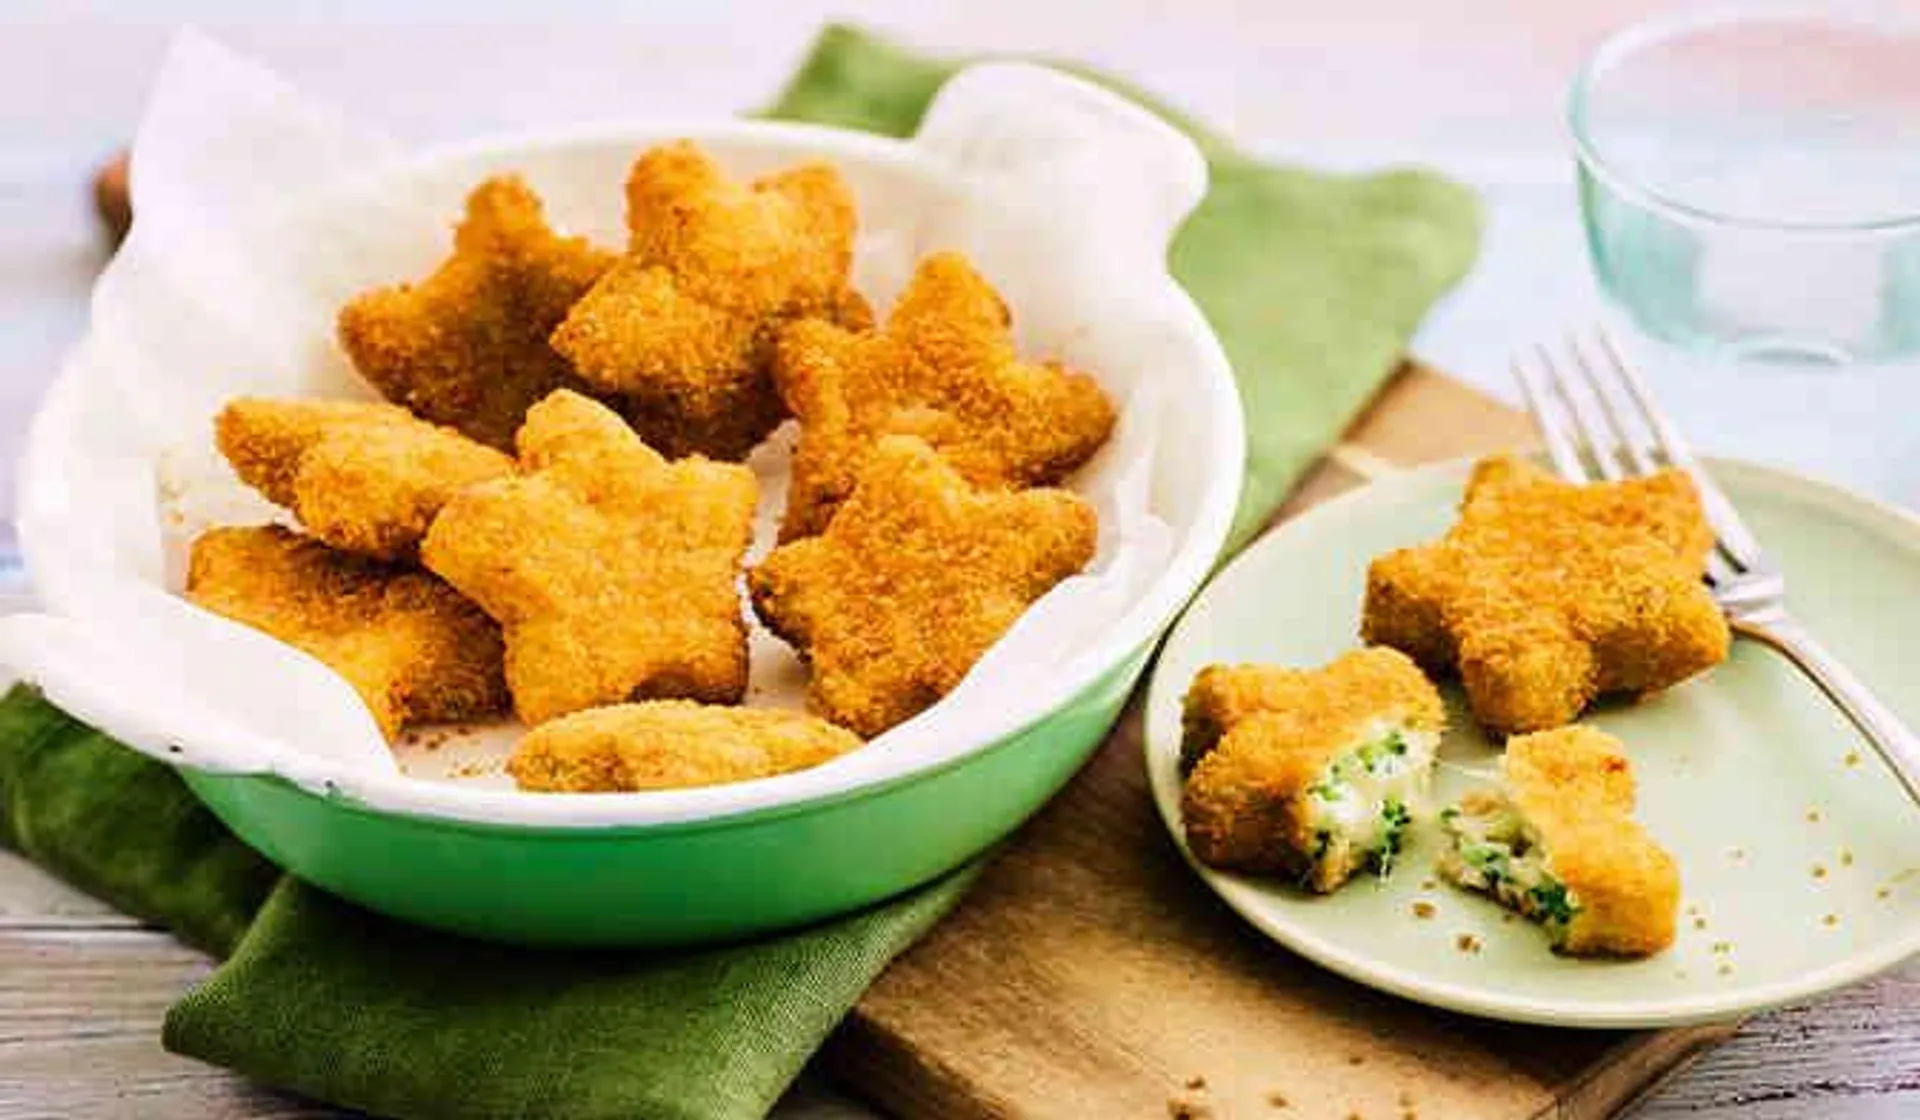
(1391, 745)
(1553, 903)
(1394, 818)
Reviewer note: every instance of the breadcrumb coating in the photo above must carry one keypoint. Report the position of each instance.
(414, 650)
(916, 576)
(682, 327)
(1546, 595)
(467, 346)
(943, 369)
(1575, 788)
(612, 570)
(365, 478)
(1256, 737)
(669, 744)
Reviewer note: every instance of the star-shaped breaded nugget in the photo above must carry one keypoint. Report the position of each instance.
(671, 744)
(1546, 595)
(366, 478)
(943, 369)
(913, 580)
(414, 650)
(467, 346)
(1310, 772)
(683, 327)
(613, 571)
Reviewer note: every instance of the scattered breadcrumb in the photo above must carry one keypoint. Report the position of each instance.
(1196, 1082)
(1723, 946)
(1846, 857)
(1725, 970)
(1737, 853)
(1830, 920)
(1467, 943)
(1819, 870)
(1883, 892)
(1423, 909)
(1428, 884)
(1185, 1106)
(1699, 923)
(1852, 758)
(1813, 816)
(1356, 1059)
(1277, 1099)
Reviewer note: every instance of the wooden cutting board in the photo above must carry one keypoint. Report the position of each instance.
(1091, 975)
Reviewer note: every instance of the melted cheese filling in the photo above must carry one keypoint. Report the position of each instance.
(1497, 852)
(1364, 800)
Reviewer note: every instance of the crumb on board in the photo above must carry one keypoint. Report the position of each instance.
(1846, 857)
(1467, 943)
(1852, 758)
(1699, 923)
(1819, 870)
(1725, 970)
(478, 768)
(1277, 1099)
(1423, 909)
(1186, 1106)
(1723, 946)
(1883, 892)
(1356, 1059)
(1196, 1082)
(1830, 919)
(1813, 816)
(1737, 853)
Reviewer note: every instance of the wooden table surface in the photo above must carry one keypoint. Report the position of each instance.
(82, 990)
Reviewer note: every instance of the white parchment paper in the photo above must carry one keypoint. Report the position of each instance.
(261, 212)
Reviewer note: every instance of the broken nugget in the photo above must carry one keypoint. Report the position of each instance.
(414, 650)
(1308, 773)
(366, 478)
(1546, 595)
(669, 744)
(1558, 844)
(915, 578)
(467, 346)
(682, 328)
(612, 570)
(943, 369)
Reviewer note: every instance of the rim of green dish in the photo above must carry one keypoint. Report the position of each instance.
(1625, 44)
(1329, 954)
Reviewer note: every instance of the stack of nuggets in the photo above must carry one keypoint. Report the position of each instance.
(535, 520)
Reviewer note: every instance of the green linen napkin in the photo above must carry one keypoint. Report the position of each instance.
(1314, 283)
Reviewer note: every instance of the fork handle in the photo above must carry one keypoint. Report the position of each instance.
(1886, 731)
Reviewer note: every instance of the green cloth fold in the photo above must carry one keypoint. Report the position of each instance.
(1314, 283)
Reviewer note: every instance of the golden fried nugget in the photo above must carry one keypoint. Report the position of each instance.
(1545, 595)
(613, 571)
(467, 346)
(1309, 773)
(912, 581)
(415, 651)
(668, 744)
(943, 369)
(366, 478)
(1559, 844)
(682, 328)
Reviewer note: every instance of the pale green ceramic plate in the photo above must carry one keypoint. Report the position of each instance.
(1800, 856)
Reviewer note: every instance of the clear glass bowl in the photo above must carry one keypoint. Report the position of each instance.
(1750, 181)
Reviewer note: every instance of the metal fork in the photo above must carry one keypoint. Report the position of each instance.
(1613, 430)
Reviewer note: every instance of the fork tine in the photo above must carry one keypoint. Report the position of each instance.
(1599, 441)
(1606, 391)
(1565, 456)
(1738, 541)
